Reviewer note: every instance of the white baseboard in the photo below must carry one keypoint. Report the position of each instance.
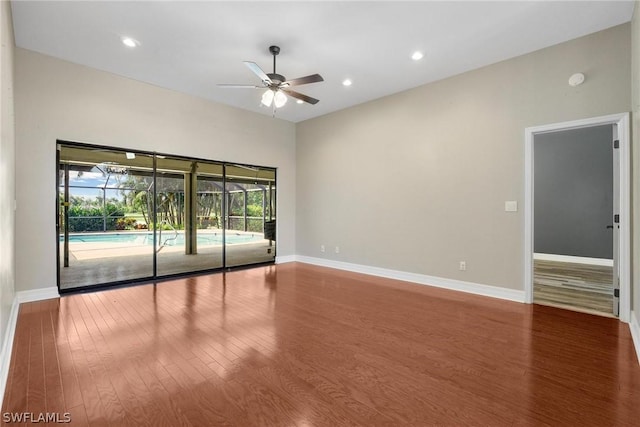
(37, 294)
(7, 348)
(439, 282)
(285, 259)
(634, 326)
(574, 259)
(7, 344)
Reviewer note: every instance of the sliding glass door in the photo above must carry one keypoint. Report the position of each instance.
(250, 219)
(103, 225)
(208, 211)
(188, 207)
(129, 216)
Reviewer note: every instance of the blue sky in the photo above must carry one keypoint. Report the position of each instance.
(95, 180)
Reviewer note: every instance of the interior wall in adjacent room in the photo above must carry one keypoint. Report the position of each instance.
(573, 196)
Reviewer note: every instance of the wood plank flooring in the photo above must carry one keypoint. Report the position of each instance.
(573, 286)
(299, 345)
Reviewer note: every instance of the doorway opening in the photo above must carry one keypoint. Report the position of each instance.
(573, 179)
(577, 239)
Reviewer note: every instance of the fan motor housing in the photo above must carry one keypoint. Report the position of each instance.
(276, 78)
(274, 50)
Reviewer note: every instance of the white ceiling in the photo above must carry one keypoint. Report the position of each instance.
(192, 46)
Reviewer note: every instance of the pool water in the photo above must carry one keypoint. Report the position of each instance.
(204, 239)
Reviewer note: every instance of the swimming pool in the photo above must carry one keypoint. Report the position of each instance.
(204, 239)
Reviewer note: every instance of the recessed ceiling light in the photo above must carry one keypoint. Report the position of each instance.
(417, 56)
(576, 79)
(299, 101)
(129, 42)
(346, 82)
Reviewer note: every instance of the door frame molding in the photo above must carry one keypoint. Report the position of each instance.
(624, 244)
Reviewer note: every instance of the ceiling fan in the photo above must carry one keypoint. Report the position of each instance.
(277, 85)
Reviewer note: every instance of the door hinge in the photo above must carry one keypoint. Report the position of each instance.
(616, 293)
(616, 218)
(616, 143)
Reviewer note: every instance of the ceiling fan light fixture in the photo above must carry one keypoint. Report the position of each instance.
(267, 98)
(279, 99)
(277, 86)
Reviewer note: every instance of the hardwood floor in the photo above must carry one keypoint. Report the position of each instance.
(295, 344)
(573, 286)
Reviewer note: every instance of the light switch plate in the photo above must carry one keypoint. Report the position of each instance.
(511, 206)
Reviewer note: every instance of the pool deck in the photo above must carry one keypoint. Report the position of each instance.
(92, 263)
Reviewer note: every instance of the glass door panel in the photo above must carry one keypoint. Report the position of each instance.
(208, 213)
(188, 208)
(249, 215)
(103, 236)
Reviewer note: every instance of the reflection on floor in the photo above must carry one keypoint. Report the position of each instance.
(137, 262)
(580, 287)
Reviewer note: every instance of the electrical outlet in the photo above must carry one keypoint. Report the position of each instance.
(321, 248)
(463, 265)
(337, 249)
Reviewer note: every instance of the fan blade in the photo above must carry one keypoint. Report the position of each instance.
(258, 71)
(313, 78)
(301, 96)
(232, 86)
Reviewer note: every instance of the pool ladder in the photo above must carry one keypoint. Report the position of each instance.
(168, 239)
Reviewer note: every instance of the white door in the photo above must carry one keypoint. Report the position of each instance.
(616, 222)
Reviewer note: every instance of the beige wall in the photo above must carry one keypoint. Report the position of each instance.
(635, 152)
(417, 181)
(7, 168)
(56, 99)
